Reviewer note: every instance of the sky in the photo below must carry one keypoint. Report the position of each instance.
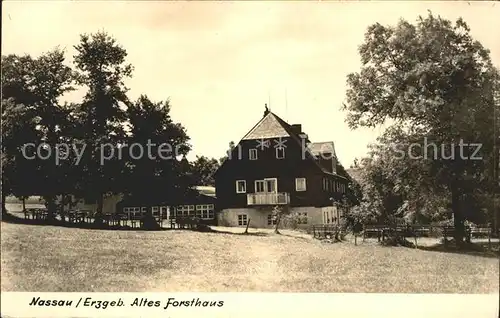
(219, 62)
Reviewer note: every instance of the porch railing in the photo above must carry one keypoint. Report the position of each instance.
(280, 198)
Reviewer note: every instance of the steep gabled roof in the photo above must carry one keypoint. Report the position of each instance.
(272, 126)
(268, 127)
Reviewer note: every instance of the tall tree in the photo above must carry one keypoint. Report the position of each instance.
(204, 169)
(18, 174)
(155, 173)
(435, 78)
(102, 68)
(37, 85)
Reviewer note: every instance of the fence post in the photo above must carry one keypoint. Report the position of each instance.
(489, 239)
(414, 234)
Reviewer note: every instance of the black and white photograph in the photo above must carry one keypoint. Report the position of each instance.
(250, 146)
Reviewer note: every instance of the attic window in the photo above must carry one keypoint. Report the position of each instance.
(280, 153)
(252, 153)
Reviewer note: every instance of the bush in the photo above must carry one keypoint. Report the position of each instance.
(203, 228)
(397, 241)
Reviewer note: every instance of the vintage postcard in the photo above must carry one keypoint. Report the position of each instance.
(250, 158)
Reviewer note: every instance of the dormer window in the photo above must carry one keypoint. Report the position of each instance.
(252, 154)
(280, 153)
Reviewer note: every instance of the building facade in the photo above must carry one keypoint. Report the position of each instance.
(275, 164)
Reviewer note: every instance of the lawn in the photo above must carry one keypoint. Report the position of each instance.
(59, 259)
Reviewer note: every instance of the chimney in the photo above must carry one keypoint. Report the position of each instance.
(297, 129)
(334, 164)
(304, 136)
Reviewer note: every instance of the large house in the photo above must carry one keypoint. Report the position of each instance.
(275, 164)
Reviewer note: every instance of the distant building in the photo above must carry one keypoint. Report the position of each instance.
(200, 203)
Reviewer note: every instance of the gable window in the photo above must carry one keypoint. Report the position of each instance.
(242, 219)
(280, 153)
(241, 186)
(252, 153)
(271, 220)
(300, 184)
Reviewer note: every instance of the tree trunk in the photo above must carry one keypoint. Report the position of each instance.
(148, 221)
(99, 217)
(4, 209)
(458, 218)
(51, 207)
(248, 224)
(24, 203)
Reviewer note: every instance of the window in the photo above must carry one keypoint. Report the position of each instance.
(205, 211)
(260, 186)
(271, 185)
(143, 209)
(164, 212)
(280, 152)
(302, 218)
(241, 186)
(271, 219)
(300, 184)
(252, 154)
(131, 211)
(155, 210)
(325, 184)
(268, 185)
(185, 210)
(242, 219)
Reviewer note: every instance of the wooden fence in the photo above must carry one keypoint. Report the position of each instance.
(381, 232)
